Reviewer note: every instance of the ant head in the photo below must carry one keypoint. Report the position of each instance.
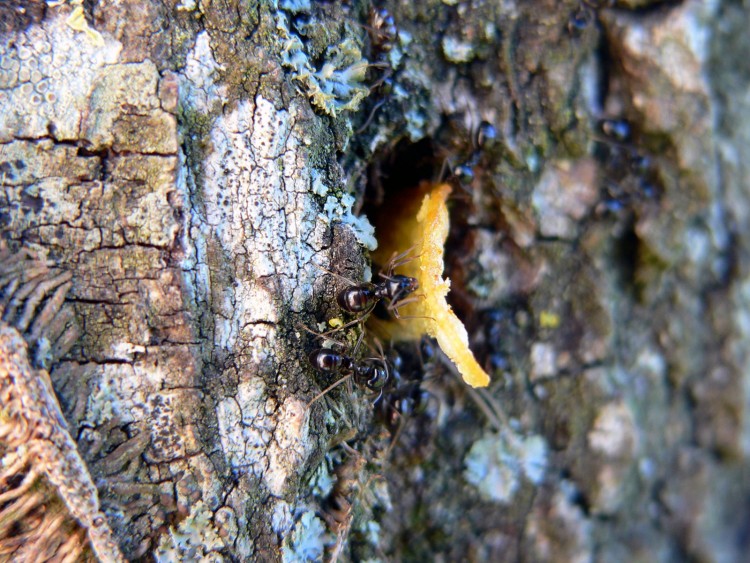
(618, 130)
(409, 285)
(464, 173)
(399, 286)
(486, 135)
(372, 373)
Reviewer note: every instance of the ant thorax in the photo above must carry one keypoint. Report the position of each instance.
(396, 287)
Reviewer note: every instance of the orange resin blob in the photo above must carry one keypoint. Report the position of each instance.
(420, 222)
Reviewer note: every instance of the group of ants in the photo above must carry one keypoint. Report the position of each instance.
(379, 376)
(394, 397)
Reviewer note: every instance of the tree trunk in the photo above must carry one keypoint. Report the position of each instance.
(181, 178)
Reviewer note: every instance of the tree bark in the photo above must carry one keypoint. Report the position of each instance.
(179, 180)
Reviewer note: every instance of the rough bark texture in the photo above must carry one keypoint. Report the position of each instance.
(177, 179)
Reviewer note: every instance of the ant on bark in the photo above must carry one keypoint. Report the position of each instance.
(371, 373)
(394, 287)
(484, 138)
(361, 299)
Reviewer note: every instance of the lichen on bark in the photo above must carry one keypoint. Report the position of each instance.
(189, 183)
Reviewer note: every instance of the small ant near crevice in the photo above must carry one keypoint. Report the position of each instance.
(361, 299)
(371, 373)
(484, 138)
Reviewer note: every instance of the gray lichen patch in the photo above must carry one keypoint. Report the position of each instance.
(265, 210)
(307, 540)
(565, 194)
(260, 215)
(559, 528)
(497, 462)
(124, 103)
(131, 207)
(338, 84)
(92, 181)
(46, 75)
(265, 215)
(195, 538)
(28, 163)
(615, 438)
(200, 88)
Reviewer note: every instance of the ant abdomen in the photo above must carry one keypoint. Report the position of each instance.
(356, 299)
(327, 360)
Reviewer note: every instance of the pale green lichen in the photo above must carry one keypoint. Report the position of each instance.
(295, 6)
(77, 21)
(339, 209)
(335, 87)
(323, 480)
(457, 51)
(194, 539)
(372, 532)
(99, 406)
(306, 542)
(496, 463)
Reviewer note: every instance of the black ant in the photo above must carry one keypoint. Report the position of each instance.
(371, 373)
(630, 175)
(484, 138)
(361, 299)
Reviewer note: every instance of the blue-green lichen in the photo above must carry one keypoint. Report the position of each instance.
(335, 87)
(307, 540)
(193, 539)
(496, 463)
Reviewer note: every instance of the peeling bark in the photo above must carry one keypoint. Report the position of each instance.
(174, 197)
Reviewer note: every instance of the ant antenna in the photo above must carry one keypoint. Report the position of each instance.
(334, 274)
(397, 260)
(375, 108)
(325, 335)
(481, 397)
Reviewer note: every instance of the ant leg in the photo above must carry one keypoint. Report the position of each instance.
(379, 346)
(492, 405)
(397, 260)
(410, 317)
(395, 303)
(445, 166)
(400, 317)
(374, 110)
(380, 396)
(327, 390)
(359, 341)
(481, 398)
(396, 435)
